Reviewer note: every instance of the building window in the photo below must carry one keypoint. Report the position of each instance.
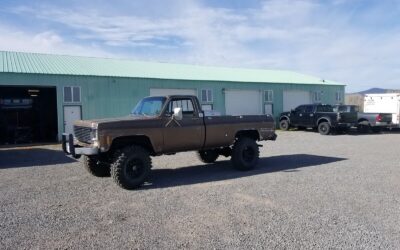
(339, 96)
(206, 95)
(317, 96)
(268, 96)
(206, 107)
(72, 94)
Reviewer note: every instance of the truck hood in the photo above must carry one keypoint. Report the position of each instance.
(287, 113)
(95, 123)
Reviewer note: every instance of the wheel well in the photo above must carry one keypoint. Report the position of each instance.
(322, 120)
(140, 140)
(253, 134)
(283, 118)
(364, 121)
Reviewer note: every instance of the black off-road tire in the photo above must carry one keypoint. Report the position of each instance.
(245, 154)
(284, 125)
(95, 167)
(363, 129)
(131, 167)
(324, 128)
(207, 156)
(376, 129)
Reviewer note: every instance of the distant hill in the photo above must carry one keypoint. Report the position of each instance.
(373, 91)
(376, 91)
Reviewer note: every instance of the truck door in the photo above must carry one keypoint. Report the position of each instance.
(186, 134)
(297, 115)
(308, 118)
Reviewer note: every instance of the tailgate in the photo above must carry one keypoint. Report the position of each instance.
(386, 118)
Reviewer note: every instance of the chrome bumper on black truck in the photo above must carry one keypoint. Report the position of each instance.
(74, 150)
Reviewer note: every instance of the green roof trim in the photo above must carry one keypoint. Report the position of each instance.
(34, 63)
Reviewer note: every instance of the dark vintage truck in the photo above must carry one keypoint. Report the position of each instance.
(320, 116)
(121, 147)
(367, 122)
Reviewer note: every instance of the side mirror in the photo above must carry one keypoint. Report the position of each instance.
(177, 114)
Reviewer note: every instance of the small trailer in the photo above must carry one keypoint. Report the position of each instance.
(384, 103)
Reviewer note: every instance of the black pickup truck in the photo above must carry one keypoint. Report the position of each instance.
(367, 122)
(318, 116)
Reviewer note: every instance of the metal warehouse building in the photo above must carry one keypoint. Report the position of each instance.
(41, 95)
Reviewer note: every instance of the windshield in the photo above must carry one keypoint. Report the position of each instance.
(149, 106)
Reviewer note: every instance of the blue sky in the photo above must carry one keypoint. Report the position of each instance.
(356, 42)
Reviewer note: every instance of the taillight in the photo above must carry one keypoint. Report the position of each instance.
(378, 118)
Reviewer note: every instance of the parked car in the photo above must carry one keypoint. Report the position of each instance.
(165, 125)
(367, 121)
(318, 116)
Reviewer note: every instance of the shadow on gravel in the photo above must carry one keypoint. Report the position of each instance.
(352, 132)
(222, 170)
(30, 157)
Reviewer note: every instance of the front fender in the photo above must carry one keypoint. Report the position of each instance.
(284, 117)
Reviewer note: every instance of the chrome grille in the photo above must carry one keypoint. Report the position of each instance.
(83, 134)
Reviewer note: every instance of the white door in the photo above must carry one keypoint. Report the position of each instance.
(243, 102)
(71, 114)
(164, 92)
(268, 109)
(292, 99)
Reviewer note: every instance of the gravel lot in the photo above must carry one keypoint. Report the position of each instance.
(308, 191)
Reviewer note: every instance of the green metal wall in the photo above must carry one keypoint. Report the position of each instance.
(113, 97)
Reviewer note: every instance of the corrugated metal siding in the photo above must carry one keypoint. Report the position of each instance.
(18, 62)
(113, 97)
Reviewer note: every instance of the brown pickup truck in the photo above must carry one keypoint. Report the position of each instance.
(121, 147)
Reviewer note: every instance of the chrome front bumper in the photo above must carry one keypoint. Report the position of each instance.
(76, 151)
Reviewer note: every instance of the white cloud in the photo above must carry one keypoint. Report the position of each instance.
(305, 36)
(44, 42)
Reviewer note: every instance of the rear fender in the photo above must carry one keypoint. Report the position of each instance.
(324, 119)
(251, 133)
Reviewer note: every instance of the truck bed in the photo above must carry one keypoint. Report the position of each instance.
(221, 130)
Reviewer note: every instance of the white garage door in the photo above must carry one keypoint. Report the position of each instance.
(243, 102)
(292, 99)
(164, 92)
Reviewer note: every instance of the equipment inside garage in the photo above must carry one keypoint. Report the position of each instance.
(28, 114)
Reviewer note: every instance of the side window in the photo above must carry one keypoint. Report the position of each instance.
(72, 94)
(300, 109)
(324, 108)
(309, 109)
(185, 104)
(317, 96)
(206, 95)
(338, 96)
(268, 96)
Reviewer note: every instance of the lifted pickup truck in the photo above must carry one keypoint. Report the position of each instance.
(367, 122)
(159, 125)
(318, 116)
